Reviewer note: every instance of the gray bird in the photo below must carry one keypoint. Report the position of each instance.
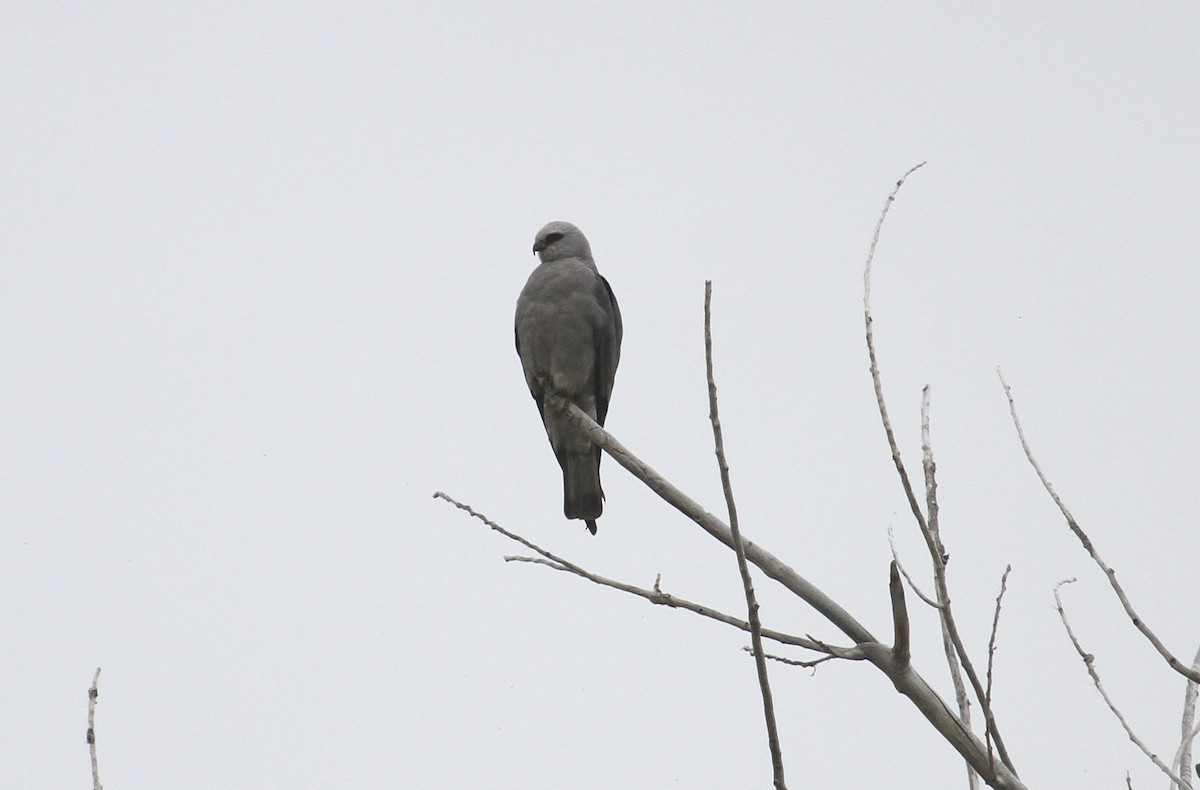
(569, 340)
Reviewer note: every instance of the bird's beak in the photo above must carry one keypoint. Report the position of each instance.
(538, 246)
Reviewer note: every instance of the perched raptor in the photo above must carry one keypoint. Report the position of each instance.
(569, 340)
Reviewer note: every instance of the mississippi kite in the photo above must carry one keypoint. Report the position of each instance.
(569, 340)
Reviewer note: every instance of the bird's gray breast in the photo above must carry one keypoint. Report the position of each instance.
(557, 321)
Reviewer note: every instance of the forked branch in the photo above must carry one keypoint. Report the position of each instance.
(655, 595)
(893, 660)
(956, 653)
(906, 680)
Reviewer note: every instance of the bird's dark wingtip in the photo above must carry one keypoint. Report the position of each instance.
(591, 525)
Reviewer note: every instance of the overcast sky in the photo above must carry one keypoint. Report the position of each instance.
(259, 270)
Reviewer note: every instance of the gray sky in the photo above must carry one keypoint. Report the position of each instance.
(259, 275)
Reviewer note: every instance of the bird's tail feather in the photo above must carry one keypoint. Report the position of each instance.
(582, 496)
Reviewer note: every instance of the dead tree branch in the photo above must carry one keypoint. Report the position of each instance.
(992, 645)
(1090, 662)
(875, 377)
(93, 694)
(964, 710)
(950, 628)
(929, 529)
(1188, 730)
(760, 662)
(1190, 673)
(655, 595)
(795, 662)
(952, 645)
(907, 681)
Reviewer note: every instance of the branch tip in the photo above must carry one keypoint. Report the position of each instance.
(901, 651)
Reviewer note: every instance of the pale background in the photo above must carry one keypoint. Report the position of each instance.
(259, 267)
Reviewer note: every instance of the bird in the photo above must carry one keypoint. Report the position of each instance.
(568, 335)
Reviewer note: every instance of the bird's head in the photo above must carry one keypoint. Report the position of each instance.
(561, 240)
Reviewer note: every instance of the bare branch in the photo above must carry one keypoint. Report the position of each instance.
(1188, 729)
(794, 662)
(536, 561)
(660, 598)
(760, 662)
(951, 638)
(992, 646)
(771, 565)
(875, 377)
(655, 595)
(512, 535)
(901, 651)
(938, 557)
(909, 683)
(93, 694)
(1090, 662)
(1190, 673)
(950, 632)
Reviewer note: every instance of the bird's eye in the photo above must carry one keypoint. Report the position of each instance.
(553, 237)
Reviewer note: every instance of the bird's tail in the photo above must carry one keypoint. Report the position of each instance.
(582, 496)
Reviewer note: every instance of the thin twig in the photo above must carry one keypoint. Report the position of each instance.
(912, 585)
(655, 595)
(93, 694)
(1090, 662)
(794, 662)
(875, 377)
(760, 662)
(567, 565)
(992, 646)
(1175, 664)
(658, 597)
